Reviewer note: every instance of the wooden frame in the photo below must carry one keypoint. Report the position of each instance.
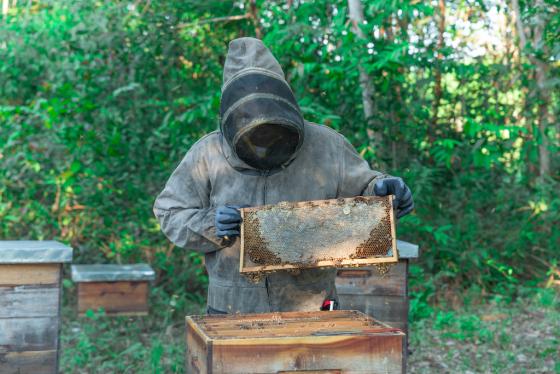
(340, 341)
(247, 266)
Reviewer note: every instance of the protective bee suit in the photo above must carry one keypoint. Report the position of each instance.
(264, 153)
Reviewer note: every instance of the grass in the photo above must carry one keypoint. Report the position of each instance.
(492, 337)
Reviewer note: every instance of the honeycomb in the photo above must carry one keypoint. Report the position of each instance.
(379, 240)
(255, 243)
(302, 234)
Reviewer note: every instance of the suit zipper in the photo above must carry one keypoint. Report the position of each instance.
(266, 283)
(265, 176)
(267, 293)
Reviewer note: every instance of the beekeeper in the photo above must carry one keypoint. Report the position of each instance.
(264, 153)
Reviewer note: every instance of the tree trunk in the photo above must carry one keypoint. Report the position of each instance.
(545, 116)
(5, 6)
(544, 94)
(356, 15)
(254, 12)
(438, 91)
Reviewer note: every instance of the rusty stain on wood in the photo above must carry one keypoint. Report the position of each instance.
(355, 231)
(292, 342)
(116, 298)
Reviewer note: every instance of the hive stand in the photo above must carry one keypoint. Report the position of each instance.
(292, 342)
(118, 289)
(384, 297)
(30, 293)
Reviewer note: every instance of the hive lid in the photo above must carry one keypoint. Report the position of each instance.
(112, 273)
(34, 252)
(288, 324)
(407, 250)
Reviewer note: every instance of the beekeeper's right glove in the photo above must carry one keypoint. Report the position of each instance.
(227, 221)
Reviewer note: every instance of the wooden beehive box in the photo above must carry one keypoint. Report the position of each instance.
(384, 296)
(30, 292)
(356, 231)
(292, 342)
(117, 289)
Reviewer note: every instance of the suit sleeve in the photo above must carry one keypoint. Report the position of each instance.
(356, 176)
(183, 208)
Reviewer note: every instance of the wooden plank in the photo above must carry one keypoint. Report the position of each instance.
(242, 243)
(349, 354)
(368, 281)
(28, 334)
(32, 362)
(116, 298)
(22, 274)
(197, 349)
(320, 264)
(327, 233)
(29, 301)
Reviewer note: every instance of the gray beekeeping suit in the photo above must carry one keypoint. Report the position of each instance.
(314, 163)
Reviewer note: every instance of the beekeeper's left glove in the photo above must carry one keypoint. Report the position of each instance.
(403, 196)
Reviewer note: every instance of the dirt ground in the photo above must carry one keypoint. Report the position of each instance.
(519, 338)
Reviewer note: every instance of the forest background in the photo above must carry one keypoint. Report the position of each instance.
(99, 101)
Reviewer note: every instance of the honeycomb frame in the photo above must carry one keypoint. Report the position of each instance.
(257, 257)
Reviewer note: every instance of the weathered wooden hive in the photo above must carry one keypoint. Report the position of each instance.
(117, 289)
(356, 231)
(292, 342)
(383, 295)
(30, 293)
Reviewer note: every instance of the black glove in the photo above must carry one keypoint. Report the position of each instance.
(403, 196)
(228, 221)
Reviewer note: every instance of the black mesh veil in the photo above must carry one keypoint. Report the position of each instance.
(267, 146)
